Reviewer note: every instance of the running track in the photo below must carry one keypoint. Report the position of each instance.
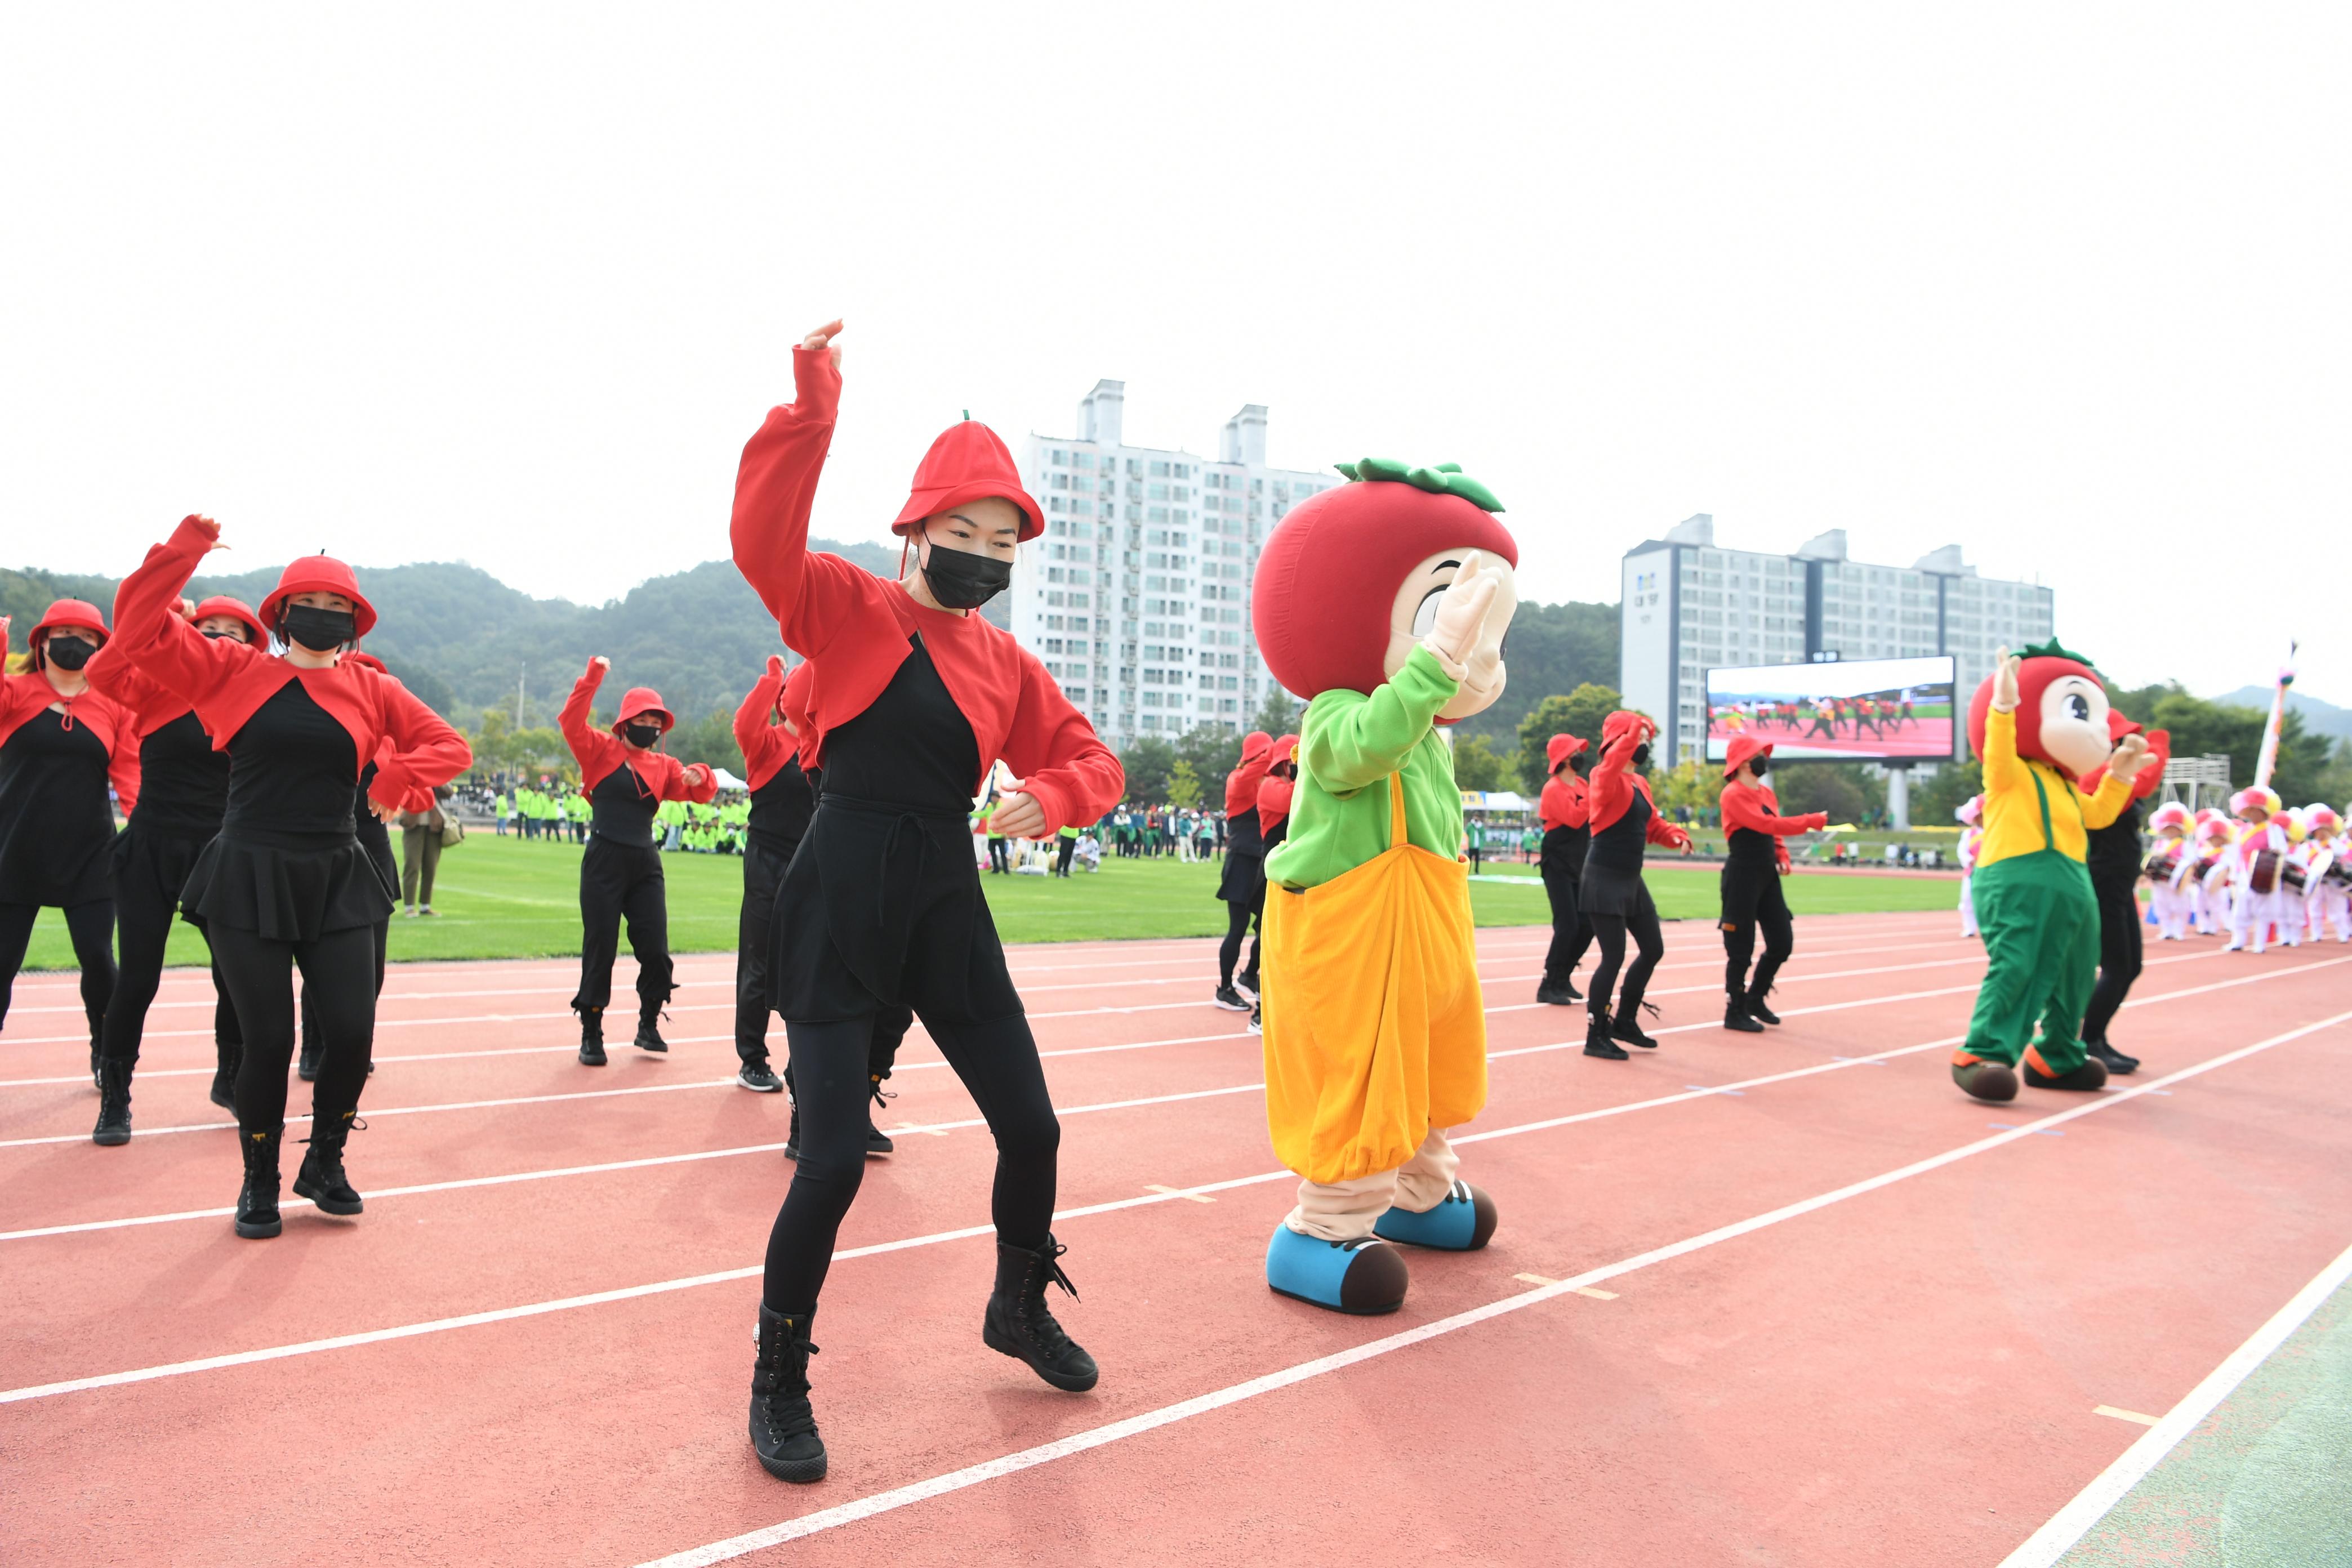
(1788, 1299)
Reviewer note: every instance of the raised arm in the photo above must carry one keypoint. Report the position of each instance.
(1610, 790)
(775, 487)
(153, 636)
(1347, 744)
(1062, 763)
(591, 747)
(764, 745)
(424, 751)
(1745, 807)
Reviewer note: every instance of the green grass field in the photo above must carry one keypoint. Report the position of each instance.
(501, 897)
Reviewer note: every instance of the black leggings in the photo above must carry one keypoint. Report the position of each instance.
(1229, 952)
(1610, 930)
(763, 873)
(2119, 958)
(338, 986)
(998, 1063)
(144, 910)
(91, 926)
(617, 882)
(1571, 933)
(311, 1044)
(1752, 900)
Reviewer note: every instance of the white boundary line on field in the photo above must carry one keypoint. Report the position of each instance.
(2092, 1504)
(1151, 1420)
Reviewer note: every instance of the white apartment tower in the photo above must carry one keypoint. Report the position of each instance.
(1689, 606)
(1137, 594)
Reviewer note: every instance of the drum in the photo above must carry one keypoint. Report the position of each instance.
(2291, 874)
(2263, 878)
(2337, 872)
(2160, 864)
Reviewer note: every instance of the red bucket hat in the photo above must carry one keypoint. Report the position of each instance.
(318, 574)
(1624, 721)
(1331, 569)
(1559, 748)
(1256, 744)
(222, 604)
(966, 463)
(77, 613)
(1742, 747)
(640, 701)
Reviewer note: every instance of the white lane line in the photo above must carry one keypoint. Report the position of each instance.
(2090, 1505)
(1136, 1425)
(984, 1231)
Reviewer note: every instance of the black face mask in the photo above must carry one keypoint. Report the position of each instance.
(644, 735)
(68, 653)
(1582, 762)
(1641, 755)
(963, 580)
(1760, 766)
(321, 631)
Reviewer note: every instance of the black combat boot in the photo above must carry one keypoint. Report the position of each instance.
(257, 1202)
(784, 1429)
(1757, 1011)
(591, 1037)
(321, 1178)
(876, 1141)
(1596, 1042)
(1627, 1027)
(1018, 1324)
(113, 1104)
(2115, 1061)
(226, 1059)
(1737, 1018)
(1553, 993)
(648, 1036)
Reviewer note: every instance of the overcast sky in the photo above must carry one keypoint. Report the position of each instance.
(2065, 285)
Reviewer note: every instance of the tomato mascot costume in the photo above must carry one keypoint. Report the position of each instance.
(2038, 721)
(1384, 601)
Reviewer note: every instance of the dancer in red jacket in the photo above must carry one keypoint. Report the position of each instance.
(1612, 898)
(182, 791)
(286, 882)
(913, 700)
(1756, 859)
(59, 743)
(1242, 881)
(1567, 838)
(625, 780)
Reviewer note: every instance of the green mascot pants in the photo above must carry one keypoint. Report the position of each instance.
(2041, 925)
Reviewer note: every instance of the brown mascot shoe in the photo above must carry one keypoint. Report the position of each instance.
(2090, 1075)
(1983, 1080)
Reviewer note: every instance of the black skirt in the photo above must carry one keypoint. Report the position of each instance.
(154, 857)
(882, 907)
(1606, 890)
(1242, 880)
(289, 887)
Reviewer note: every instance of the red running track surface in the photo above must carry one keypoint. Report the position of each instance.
(1844, 1315)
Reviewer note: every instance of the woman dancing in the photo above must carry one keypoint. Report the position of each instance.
(1567, 838)
(1754, 861)
(285, 884)
(626, 780)
(60, 742)
(1612, 898)
(1241, 883)
(913, 699)
(182, 790)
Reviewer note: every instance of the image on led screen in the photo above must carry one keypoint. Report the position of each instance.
(1870, 709)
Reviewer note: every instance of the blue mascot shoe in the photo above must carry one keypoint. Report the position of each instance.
(1366, 1277)
(1464, 1220)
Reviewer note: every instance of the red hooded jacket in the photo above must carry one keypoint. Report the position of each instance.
(102, 714)
(1241, 784)
(226, 682)
(1610, 789)
(1563, 802)
(600, 752)
(855, 627)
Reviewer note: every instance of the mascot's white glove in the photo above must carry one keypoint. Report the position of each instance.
(1456, 638)
(2129, 756)
(2004, 681)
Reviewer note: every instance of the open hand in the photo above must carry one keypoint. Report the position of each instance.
(823, 338)
(1018, 816)
(2004, 681)
(387, 815)
(1454, 636)
(2128, 758)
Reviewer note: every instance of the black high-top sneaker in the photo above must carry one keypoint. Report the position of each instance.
(321, 1178)
(591, 1037)
(784, 1427)
(648, 1036)
(1757, 1011)
(226, 1059)
(1018, 1324)
(1737, 1018)
(257, 1202)
(1231, 1000)
(1596, 1042)
(113, 1104)
(876, 1141)
(1553, 993)
(2115, 1061)
(1627, 1027)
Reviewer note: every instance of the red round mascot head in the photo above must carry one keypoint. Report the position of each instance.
(1349, 581)
(2061, 709)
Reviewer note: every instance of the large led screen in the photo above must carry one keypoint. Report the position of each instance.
(1861, 710)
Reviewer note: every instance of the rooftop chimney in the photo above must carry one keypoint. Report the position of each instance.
(1099, 412)
(1244, 439)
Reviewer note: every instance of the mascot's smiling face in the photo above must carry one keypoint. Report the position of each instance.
(2074, 709)
(1414, 610)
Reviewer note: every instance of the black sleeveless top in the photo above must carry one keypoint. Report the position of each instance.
(183, 782)
(55, 822)
(625, 809)
(781, 808)
(1619, 846)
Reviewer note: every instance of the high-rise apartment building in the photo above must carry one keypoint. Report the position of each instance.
(1137, 594)
(1689, 606)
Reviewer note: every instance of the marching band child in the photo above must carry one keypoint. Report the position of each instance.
(2327, 895)
(1971, 817)
(2262, 902)
(2170, 865)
